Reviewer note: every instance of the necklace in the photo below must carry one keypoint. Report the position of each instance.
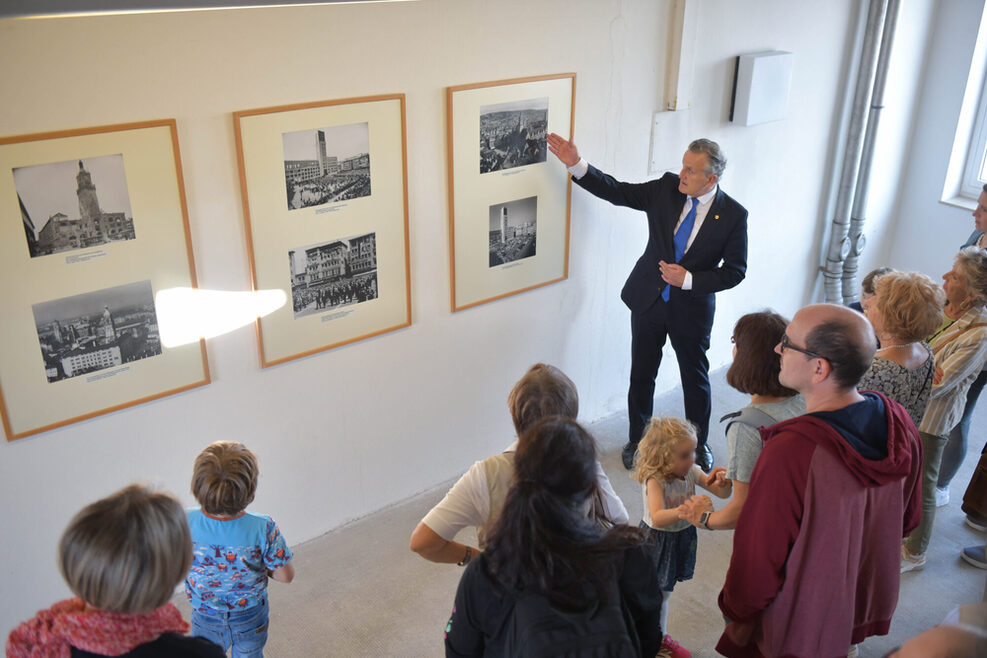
(891, 347)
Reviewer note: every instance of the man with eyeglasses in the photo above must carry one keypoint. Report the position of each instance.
(697, 246)
(816, 552)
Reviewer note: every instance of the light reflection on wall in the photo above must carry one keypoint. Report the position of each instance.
(186, 315)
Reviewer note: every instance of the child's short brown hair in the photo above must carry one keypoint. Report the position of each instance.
(543, 391)
(126, 553)
(224, 479)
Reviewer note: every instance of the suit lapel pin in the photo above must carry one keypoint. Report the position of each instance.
(716, 216)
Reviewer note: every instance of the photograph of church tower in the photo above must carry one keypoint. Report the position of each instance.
(49, 193)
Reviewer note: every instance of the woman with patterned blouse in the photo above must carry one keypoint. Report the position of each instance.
(905, 309)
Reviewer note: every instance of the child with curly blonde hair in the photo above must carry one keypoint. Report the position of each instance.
(667, 471)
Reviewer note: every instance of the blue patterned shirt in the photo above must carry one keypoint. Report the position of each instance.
(231, 558)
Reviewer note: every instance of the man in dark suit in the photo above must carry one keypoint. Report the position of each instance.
(697, 246)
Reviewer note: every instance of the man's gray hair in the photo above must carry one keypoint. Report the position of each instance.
(716, 162)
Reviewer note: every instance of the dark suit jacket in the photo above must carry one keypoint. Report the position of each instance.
(717, 258)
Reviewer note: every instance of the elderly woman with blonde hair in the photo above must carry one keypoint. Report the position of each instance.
(959, 346)
(906, 308)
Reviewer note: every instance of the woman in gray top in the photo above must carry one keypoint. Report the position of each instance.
(754, 371)
(906, 307)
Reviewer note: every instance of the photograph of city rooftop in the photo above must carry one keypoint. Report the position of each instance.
(97, 330)
(513, 134)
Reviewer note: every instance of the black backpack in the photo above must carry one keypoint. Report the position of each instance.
(539, 629)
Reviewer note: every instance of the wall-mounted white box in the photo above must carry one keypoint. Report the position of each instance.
(761, 87)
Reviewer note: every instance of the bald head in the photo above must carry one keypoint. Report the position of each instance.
(841, 335)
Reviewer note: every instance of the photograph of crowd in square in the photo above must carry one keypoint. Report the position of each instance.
(97, 330)
(332, 274)
(49, 193)
(326, 165)
(513, 134)
(512, 230)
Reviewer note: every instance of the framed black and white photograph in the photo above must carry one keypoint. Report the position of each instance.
(513, 231)
(326, 165)
(513, 134)
(333, 274)
(74, 204)
(93, 225)
(325, 207)
(515, 203)
(97, 330)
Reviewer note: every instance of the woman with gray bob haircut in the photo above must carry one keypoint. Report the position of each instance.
(122, 556)
(959, 347)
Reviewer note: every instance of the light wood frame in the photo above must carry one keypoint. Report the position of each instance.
(473, 195)
(285, 335)
(160, 252)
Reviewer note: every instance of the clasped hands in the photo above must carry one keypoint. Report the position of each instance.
(672, 274)
(693, 508)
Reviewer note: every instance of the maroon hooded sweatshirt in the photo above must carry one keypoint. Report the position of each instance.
(817, 549)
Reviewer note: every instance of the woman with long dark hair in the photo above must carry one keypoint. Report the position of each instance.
(551, 575)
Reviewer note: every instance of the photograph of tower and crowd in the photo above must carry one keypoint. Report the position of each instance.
(97, 330)
(332, 274)
(326, 165)
(48, 194)
(513, 230)
(513, 134)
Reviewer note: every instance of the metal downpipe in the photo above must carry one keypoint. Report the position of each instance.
(859, 213)
(839, 244)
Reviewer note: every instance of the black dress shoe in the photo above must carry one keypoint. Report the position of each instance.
(704, 458)
(627, 455)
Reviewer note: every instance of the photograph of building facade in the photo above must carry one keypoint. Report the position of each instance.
(94, 226)
(326, 165)
(336, 273)
(513, 134)
(513, 230)
(97, 330)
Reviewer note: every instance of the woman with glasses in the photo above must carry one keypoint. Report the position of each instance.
(959, 347)
(955, 450)
(754, 371)
(905, 309)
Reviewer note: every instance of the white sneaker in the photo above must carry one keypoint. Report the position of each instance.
(911, 561)
(942, 497)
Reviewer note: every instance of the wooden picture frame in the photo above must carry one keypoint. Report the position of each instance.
(325, 206)
(508, 202)
(94, 224)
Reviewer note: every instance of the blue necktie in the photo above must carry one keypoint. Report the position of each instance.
(681, 239)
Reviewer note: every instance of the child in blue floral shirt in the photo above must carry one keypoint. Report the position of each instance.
(234, 552)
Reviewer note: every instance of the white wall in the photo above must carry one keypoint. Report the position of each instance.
(344, 433)
(922, 219)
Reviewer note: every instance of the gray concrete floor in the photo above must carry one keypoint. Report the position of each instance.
(359, 591)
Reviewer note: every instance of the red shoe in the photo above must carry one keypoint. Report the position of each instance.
(673, 649)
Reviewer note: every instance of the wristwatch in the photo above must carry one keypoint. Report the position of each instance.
(704, 520)
(466, 558)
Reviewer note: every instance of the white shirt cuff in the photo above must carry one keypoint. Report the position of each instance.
(687, 283)
(579, 169)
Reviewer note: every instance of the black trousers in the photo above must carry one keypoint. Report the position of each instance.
(687, 322)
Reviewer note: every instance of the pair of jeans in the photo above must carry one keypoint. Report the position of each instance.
(243, 630)
(955, 452)
(932, 446)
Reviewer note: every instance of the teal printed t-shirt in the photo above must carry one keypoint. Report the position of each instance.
(230, 560)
